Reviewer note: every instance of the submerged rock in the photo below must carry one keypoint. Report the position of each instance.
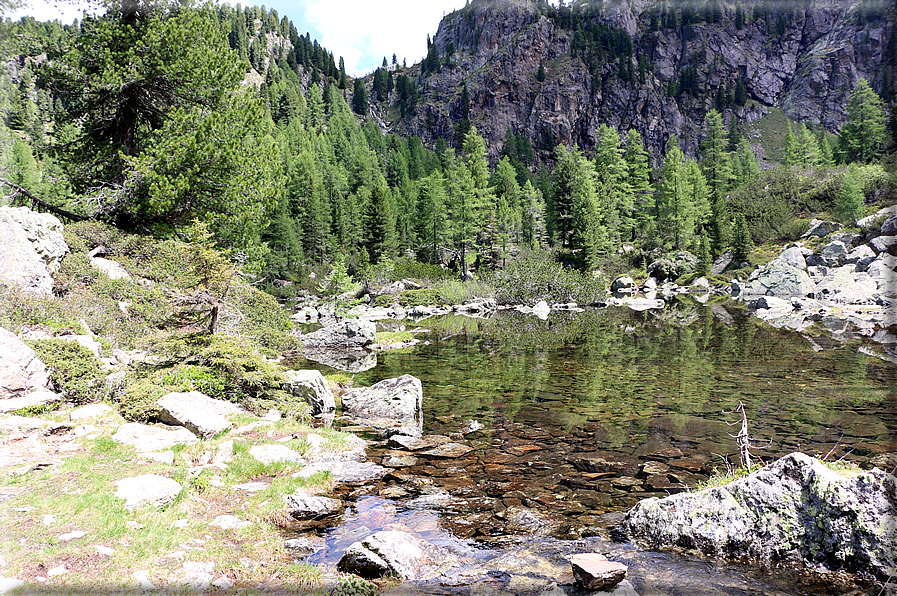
(397, 553)
(594, 572)
(795, 509)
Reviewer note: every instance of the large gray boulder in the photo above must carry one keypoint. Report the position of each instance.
(397, 553)
(304, 506)
(794, 256)
(795, 509)
(884, 271)
(821, 228)
(779, 279)
(31, 248)
(348, 334)
(311, 386)
(390, 403)
(197, 412)
(23, 377)
(845, 285)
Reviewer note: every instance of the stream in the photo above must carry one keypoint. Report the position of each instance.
(583, 415)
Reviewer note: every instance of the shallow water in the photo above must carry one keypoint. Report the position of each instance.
(585, 414)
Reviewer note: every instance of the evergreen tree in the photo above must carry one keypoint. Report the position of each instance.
(380, 222)
(22, 113)
(741, 239)
(540, 74)
(850, 200)
(639, 165)
(808, 154)
(715, 162)
(863, 134)
(360, 98)
(682, 197)
(23, 170)
(612, 170)
(533, 216)
(431, 222)
(746, 166)
(789, 153)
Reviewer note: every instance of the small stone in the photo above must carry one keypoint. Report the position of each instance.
(594, 572)
(272, 416)
(223, 583)
(49, 520)
(104, 551)
(301, 547)
(134, 525)
(143, 581)
(449, 450)
(72, 536)
(84, 429)
(269, 454)
(59, 570)
(181, 524)
(230, 522)
(252, 487)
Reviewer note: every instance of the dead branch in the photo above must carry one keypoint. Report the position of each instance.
(743, 438)
(36, 202)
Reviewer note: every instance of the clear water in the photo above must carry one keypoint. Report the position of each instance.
(585, 414)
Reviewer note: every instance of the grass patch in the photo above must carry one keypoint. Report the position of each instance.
(719, 478)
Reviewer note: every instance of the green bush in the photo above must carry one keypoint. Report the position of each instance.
(454, 291)
(423, 272)
(138, 402)
(73, 368)
(535, 278)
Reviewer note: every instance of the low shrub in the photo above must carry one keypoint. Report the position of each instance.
(454, 291)
(423, 272)
(410, 298)
(75, 371)
(532, 279)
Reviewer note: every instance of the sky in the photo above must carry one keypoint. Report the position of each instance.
(363, 32)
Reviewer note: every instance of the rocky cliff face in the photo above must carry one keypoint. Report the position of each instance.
(804, 58)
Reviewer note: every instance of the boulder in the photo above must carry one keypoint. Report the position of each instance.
(795, 509)
(345, 472)
(146, 438)
(623, 285)
(780, 280)
(149, 489)
(31, 248)
(390, 403)
(87, 341)
(304, 506)
(269, 454)
(311, 386)
(794, 256)
(352, 448)
(884, 244)
(882, 215)
(641, 304)
(721, 262)
(200, 414)
(397, 553)
(21, 371)
(594, 572)
(834, 254)
(306, 314)
(682, 263)
(884, 271)
(889, 226)
(348, 334)
(860, 254)
(821, 228)
(846, 286)
(304, 546)
(111, 269)
(771, 302)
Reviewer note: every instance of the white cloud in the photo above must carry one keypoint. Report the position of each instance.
(49, 10)
(364, 31)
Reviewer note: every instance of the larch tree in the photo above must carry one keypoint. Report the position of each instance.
(863, 134)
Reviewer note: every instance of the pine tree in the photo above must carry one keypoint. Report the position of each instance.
(431, 220)
(540, 74)
(360, 98)
(682, 197)
(638, 160)
(863, 133)
(715, 162)
(380, 222)
(533, 216)
(746, 166)
(612, 170)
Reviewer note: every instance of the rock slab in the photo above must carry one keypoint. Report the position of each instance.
(21, 371)
(348, 334)
(149, 489)
(200, 414)
(795, 509)
(31, 247)
(594, 572)
(304, 506)
(146, 438)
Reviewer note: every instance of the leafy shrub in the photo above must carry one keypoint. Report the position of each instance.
(454, 291)
(73, 368)
(794, 229)
(532, 279)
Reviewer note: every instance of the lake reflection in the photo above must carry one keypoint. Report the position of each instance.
(574, 408)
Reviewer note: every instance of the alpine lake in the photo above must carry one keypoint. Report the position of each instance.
(586, 413)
